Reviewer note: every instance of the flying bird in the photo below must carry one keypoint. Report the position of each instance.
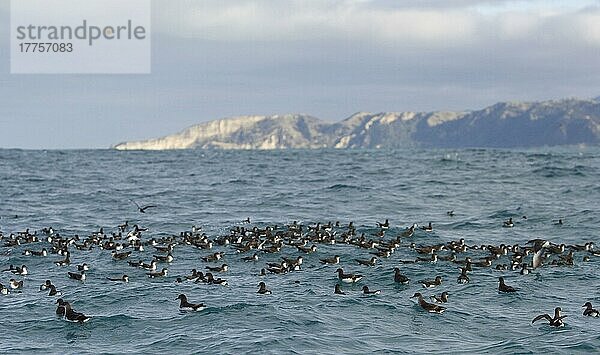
(140, 208)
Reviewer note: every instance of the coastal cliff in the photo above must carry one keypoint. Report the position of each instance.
(503, 125)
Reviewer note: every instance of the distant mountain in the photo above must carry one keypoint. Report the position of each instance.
(515, 124)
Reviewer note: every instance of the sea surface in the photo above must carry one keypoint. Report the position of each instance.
(80, 191)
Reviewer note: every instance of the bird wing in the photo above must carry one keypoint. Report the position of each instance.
(149, 206)
(542, 316)
(135, 203)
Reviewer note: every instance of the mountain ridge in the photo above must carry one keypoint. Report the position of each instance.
(502, 125)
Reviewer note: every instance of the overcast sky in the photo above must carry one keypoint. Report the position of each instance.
(214, 59)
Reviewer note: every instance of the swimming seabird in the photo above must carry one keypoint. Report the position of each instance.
(11, 268)
(197, 276)
(45, 285)
(254, 257)
(29, 252)
(76, 276)
(502, 287)
(262, 289)
(398, 277)
(293, 262)
(164, 258)
(65, 261)
(135, 263)
(555, 322)
(164, 249)
(194, 275)
(370, 262)
(432, 259)
(348, 277)
(384, 225)
(463, 278)
(338, 290)
(509, 223)
(53, 292)
(212, 257)
(123, 226)
(210, 279)
(429, 307)
(123, 278)
(586, 247)
(15, 285)
(366, 291)
(589, 311)
(432, 283)
(278, 268)
(443, 298)
(408, 232)
(161, 273)
(221, 268)
(331, 261)
(73, 316)
(20, 270)
(312, 249)
(427, 228)
(60, 308)
(184, 305)
(149, 267)
(120, 256)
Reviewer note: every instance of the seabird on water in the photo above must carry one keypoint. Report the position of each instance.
(555, 322)
(502, 287)
(429, 307)
(184, 305)
(262, 289)
(350, 278)
(589, 311)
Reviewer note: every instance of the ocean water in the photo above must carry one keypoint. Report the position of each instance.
(77, 192)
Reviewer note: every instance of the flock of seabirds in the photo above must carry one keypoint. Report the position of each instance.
(127, 242)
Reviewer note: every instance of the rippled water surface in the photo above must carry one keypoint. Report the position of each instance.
(77, 192)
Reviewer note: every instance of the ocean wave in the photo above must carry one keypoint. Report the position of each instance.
(305, 317)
